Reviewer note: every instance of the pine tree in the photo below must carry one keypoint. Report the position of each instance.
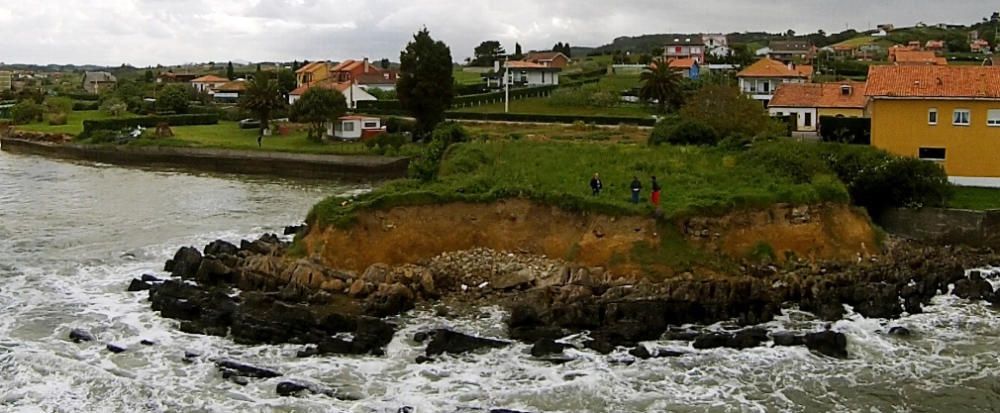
(230, 72)
(426, 82)
(518, 55)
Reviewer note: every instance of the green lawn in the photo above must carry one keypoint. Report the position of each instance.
(73, 126)
(975, 198)
(543, 106)
(467, 78)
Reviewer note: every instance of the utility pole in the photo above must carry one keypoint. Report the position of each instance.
(506, 89)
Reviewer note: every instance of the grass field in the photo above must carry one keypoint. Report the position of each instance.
(73, 126)
(975, 198)
(557, 132)
(466, 78)
(547, 106)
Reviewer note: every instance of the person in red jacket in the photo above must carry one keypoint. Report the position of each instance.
(655, 196)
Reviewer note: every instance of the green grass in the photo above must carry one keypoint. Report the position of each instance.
(696, 181)
(975, 198)
(467, 78)
(544, 106)
(73, 126)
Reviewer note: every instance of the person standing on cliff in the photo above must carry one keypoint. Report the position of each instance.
(596, 185)
(655, 196)
(636, 189)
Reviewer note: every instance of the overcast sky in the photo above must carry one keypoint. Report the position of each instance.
(147, 32)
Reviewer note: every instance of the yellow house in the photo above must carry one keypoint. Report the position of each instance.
(944, 114)
(312, 73)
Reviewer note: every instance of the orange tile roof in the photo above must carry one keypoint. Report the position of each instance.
(234, 86)
(338, 86)
(768, 67)
(686, 63)
(929, 81)
(819, 95)
(210, 79)
(543, 56)
(521, 64)
(910, 57)
(311, 67)
(804, 70)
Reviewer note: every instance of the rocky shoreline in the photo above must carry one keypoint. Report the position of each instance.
(256, 294)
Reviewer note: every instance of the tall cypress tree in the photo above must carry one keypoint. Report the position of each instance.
(230, 73)
(426, 82)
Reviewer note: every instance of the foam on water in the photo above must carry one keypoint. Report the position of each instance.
(66, 259)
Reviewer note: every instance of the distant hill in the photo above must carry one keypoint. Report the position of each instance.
(638, 44)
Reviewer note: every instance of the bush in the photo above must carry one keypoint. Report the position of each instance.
(26, 112)
(174, 98)
(902, 182)
(425, 167)
(89, 105)
(58, 105)
(450, 133)
(113, 107)
(534, 117)
(90, 126)
(394, 124)
(685, 132)
(57, 119)
(382, 143)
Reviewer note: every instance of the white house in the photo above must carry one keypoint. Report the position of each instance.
(355, 127)
(352, 92)
(208, 83)
(230, 91)
(522, 73)
(717, 44)
(761, 79)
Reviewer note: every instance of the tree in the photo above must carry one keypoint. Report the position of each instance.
(426, 81)
(286, 81)
(173, 98)
(728, 112)
(261, 98)
(518, 53)
(149, 76)
(26, 111)
(567, 50)
(113, 107)
(385, 64)
(230, 72)
(317, 107)
(487, 53)
(662, 84)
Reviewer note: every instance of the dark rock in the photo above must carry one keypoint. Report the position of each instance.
(295, 229)
(681, 335)
(309, 351)
(641, 352)
(788, 339)
(149, 278)
(423, 359)
(78, 335)
(185, 262)
(668, 353)
(421, 336)
(505, 411)
(828, 343)
(743, 339)
(246, 369)
(394, 300)
(213, 270)
(406, 409)
(138, 285)
(114, 348)
(545, 347)
(147, 342)
(447, 341)
(600, 345)
(219, 247)
(899, 331)
(289, 388)
(878, 301)
(975, 288)
(191, 355)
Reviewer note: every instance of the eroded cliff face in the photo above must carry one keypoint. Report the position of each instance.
(407, 235)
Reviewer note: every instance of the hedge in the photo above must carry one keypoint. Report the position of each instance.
(87, 105)
(90, 126)
(595, 73)
(81, 96)
(530, 117)
(856, 131)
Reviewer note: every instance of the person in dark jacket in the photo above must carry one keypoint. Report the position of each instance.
(596, 185)
(636, 189)
(655, 196)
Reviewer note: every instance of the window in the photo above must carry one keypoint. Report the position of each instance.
(767, 87)
(932, 116)
(932, 154)
(809, 120)
(961, 117)
(347, 127)
(371, 125)
(993, 117)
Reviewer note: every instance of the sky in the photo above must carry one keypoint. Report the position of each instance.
(150, 32)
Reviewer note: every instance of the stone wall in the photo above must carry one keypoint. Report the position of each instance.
(217, 160)
(948, 226)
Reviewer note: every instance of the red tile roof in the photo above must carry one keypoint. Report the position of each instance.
(768, 67)
(543, 56)
(311, 67)
(210, 79)
(686, 63)
(338, 86)
(929, 81)
(910, 57)
(820, 95)
(234, 86)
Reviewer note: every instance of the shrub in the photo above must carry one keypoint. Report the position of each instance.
(382, 143)
(450, 133)
(174, 98)
(545, 118)
(902, 182)
(685, 132)
(794, 161)
(395, 124)
(113, 107)
(846, 130)
(89, 105)
(90, 126)
(465, 160)
(729, 112)
(58, 105)
(425, 167)
(57, 119)
(25, 112)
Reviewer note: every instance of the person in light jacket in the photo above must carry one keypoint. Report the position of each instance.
(636, 189)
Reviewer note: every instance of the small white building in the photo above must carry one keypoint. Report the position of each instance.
(355, 127)
(208, 83)
(352, 92)
(525, 74)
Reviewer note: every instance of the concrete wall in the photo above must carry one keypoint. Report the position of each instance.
(949, 226)
(221, 160)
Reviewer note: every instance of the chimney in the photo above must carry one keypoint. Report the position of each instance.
(366, 65)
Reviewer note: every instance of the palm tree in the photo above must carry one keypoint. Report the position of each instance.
(662, 84)
(261, 98)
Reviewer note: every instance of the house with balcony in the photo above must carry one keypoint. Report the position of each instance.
(761, 79)
(795, 50)
(944, 114)
(716, 44)
(685, 47)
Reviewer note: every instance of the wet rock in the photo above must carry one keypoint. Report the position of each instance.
(359, 289)
(505, 411)
(149, 278)
(974, 288)
(519, 279)
(742, 339)
(146, 342)
(390, 300)
(138, 285)
(185, 262)
(641, 352)
(213, 270)
(79, 336)
(219, 248)
(423, 359)
(545, 347)
(828, 343)
(899, 331)
(879, 301)
(190, 355)
(788, 339)
(292, 388)
(115, 348)
(238, 380)
(295, 229)
(600, 345)
(447, 341)
(246, 369)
